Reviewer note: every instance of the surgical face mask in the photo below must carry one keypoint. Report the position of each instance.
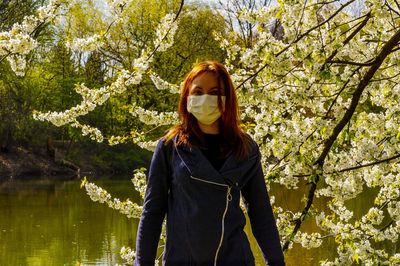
(205, 107)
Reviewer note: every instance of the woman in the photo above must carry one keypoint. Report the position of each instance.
(196, 176)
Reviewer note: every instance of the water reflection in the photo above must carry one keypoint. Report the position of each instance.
(49, 222)
(55, 223)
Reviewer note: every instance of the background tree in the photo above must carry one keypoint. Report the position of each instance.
(315, 100)
(16, 96)
(232, 10)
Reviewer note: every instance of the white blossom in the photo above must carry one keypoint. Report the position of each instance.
(88, 44)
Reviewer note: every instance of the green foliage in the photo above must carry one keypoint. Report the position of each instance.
(54, 70)
(194, 42)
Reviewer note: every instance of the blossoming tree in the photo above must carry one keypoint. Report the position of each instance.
(322, 100)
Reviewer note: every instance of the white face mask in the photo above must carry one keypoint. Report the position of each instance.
(205, 107)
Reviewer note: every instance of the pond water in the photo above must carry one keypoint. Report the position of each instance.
(48, 222)
(53, 222)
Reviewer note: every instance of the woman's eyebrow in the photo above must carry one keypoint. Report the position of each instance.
(196, 87)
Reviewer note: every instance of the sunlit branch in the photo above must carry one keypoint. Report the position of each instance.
(350, 21)
(301, 18)
(165, 36)
(395, 49)
(340, 91)
(297, 40)
(349, 38)
(386, 78)
(391, 8)
(32, 34)
(385, 51)
(355, 167)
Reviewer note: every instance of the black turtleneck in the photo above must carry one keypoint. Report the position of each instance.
(212, 150)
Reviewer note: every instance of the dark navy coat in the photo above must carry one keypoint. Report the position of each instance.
(204, 220)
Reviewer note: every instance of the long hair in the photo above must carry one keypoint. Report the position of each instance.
(188, 130)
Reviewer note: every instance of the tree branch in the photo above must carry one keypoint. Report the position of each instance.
(348, 39)
(297, 40)
(176, 17)
(397, 4)
(4, 56)
(343, 62)
(337, 95)
(385, 78)
(391, 8)
(395, 49)
(35, 32)
(385, 51)
(355, 167)
(301, 18)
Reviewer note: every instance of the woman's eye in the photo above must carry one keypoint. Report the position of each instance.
(213, 92)
(197, 92)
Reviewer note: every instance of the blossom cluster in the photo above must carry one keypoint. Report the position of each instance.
(164, 37)
(88, 44)
(164, 85)
(135, 137)
(128, 255)
(96, 193)
(313, 240)
(127, 207)
(154, 117)
(18, 41)
(139, 181)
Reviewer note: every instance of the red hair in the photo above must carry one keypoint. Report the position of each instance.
(188, 130)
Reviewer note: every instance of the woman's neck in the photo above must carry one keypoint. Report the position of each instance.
(209, 129)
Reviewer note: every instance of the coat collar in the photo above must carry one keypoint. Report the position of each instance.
(199, 166)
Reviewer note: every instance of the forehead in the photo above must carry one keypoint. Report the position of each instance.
(206, 80)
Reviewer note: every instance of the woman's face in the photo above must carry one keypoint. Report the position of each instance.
(206, 83)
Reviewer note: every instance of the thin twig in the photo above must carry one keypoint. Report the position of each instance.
(297, 40)
(355, 167)
(344, 62)
(340, 91)
(349, 38)
(176, 17)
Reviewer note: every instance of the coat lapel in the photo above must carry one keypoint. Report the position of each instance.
(199, 166)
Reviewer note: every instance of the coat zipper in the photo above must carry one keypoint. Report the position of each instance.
(228, 199)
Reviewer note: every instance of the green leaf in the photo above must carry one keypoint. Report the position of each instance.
(325, 74)
(355, 258)
(344, 27)
(313, 178)
(273, 175)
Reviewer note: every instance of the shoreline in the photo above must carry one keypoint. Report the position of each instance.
(74, 162)
(21, 162)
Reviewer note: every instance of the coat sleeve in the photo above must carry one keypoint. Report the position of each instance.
(258, 206)
(154, 208)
